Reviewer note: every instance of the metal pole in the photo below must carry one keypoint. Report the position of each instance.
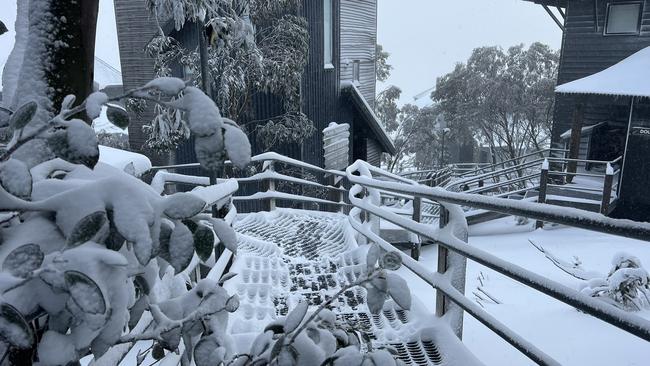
(627, 140)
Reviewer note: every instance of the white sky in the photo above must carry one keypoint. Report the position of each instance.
(425, 38)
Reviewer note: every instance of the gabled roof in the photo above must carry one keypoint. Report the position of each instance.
(626, 78)
(369, 116)
(560, 3)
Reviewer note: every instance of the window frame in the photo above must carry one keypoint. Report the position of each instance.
(328, 57)
(638, 23)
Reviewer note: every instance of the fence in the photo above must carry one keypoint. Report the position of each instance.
(361, 188)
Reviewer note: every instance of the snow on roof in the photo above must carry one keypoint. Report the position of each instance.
(583, 131)
(105, 74)
(120, 159)
(626, 78)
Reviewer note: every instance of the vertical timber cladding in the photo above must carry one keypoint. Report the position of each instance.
(586, 51)
(358, 44)
(320, 94)
(135, 27)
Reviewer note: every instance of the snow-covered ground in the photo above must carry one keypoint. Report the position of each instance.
(571, 337)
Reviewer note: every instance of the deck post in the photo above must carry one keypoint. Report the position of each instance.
(607, 189)
(271, 168)
(543, 182)
(417, 217)
(454, 266)
(338, 183)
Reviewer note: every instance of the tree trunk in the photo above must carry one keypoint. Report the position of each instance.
(73, 69)
(574, 143)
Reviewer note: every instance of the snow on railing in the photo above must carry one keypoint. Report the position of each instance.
(452, 237)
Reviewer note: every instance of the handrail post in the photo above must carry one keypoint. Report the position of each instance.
(417, 217)
(457, 265)
(271, 188)
(543, 182)
(607, 189)
(338, 183)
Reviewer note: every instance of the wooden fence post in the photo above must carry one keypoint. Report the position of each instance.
(271, 187)
(607, 189)
(457, 265)
(338, 183)
(543, 182)
(417, 217)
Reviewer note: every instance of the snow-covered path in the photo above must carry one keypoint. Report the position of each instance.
(287, 255)
(571, 337)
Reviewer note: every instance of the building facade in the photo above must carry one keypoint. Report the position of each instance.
(599, 34)
(338, 83)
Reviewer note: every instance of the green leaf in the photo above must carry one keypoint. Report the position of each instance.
(163, 240)
(23, 115)
(157, 352)
(398, 289)
(14, 328)
(16, 178)
(373, 256)
(77, 143)
(226, 234)
(226, 277)
(85, 292)
(183, 205)
(115, 240)
(87, 228)
(204, 351)
(203, 242)
(296, 316)
(22, 261)
(118, 116)
(232, 304)
(181, 247)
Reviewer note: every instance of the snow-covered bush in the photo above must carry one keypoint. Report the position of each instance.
(627, 285)
(87, 248)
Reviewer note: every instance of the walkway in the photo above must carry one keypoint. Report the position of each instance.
(288, 255)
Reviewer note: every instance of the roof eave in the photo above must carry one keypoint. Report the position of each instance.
(367, 113)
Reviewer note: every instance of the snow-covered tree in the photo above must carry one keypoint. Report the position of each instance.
(255, 46)
(503, 98)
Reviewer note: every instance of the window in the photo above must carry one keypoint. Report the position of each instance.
(623, 18)
(328, 34)
(356, 70)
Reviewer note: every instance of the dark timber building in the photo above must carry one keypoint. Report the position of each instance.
(601, 124)
(338, 82)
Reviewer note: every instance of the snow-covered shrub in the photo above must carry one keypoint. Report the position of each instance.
(627, 285)
(87, 248)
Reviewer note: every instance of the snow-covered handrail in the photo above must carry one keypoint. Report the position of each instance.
(562, 215)
(447, 237)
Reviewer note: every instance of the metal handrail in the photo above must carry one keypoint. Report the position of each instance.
(628, 322)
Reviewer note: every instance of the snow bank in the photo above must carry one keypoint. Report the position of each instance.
(120, 159)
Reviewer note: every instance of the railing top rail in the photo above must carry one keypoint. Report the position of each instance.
(502, 163)
(560, 215)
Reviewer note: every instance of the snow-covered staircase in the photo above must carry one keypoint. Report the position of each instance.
(287, 255)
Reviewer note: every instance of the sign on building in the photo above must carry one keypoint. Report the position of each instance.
(336, 144)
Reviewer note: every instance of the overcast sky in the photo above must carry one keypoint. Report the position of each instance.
(425, 38)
